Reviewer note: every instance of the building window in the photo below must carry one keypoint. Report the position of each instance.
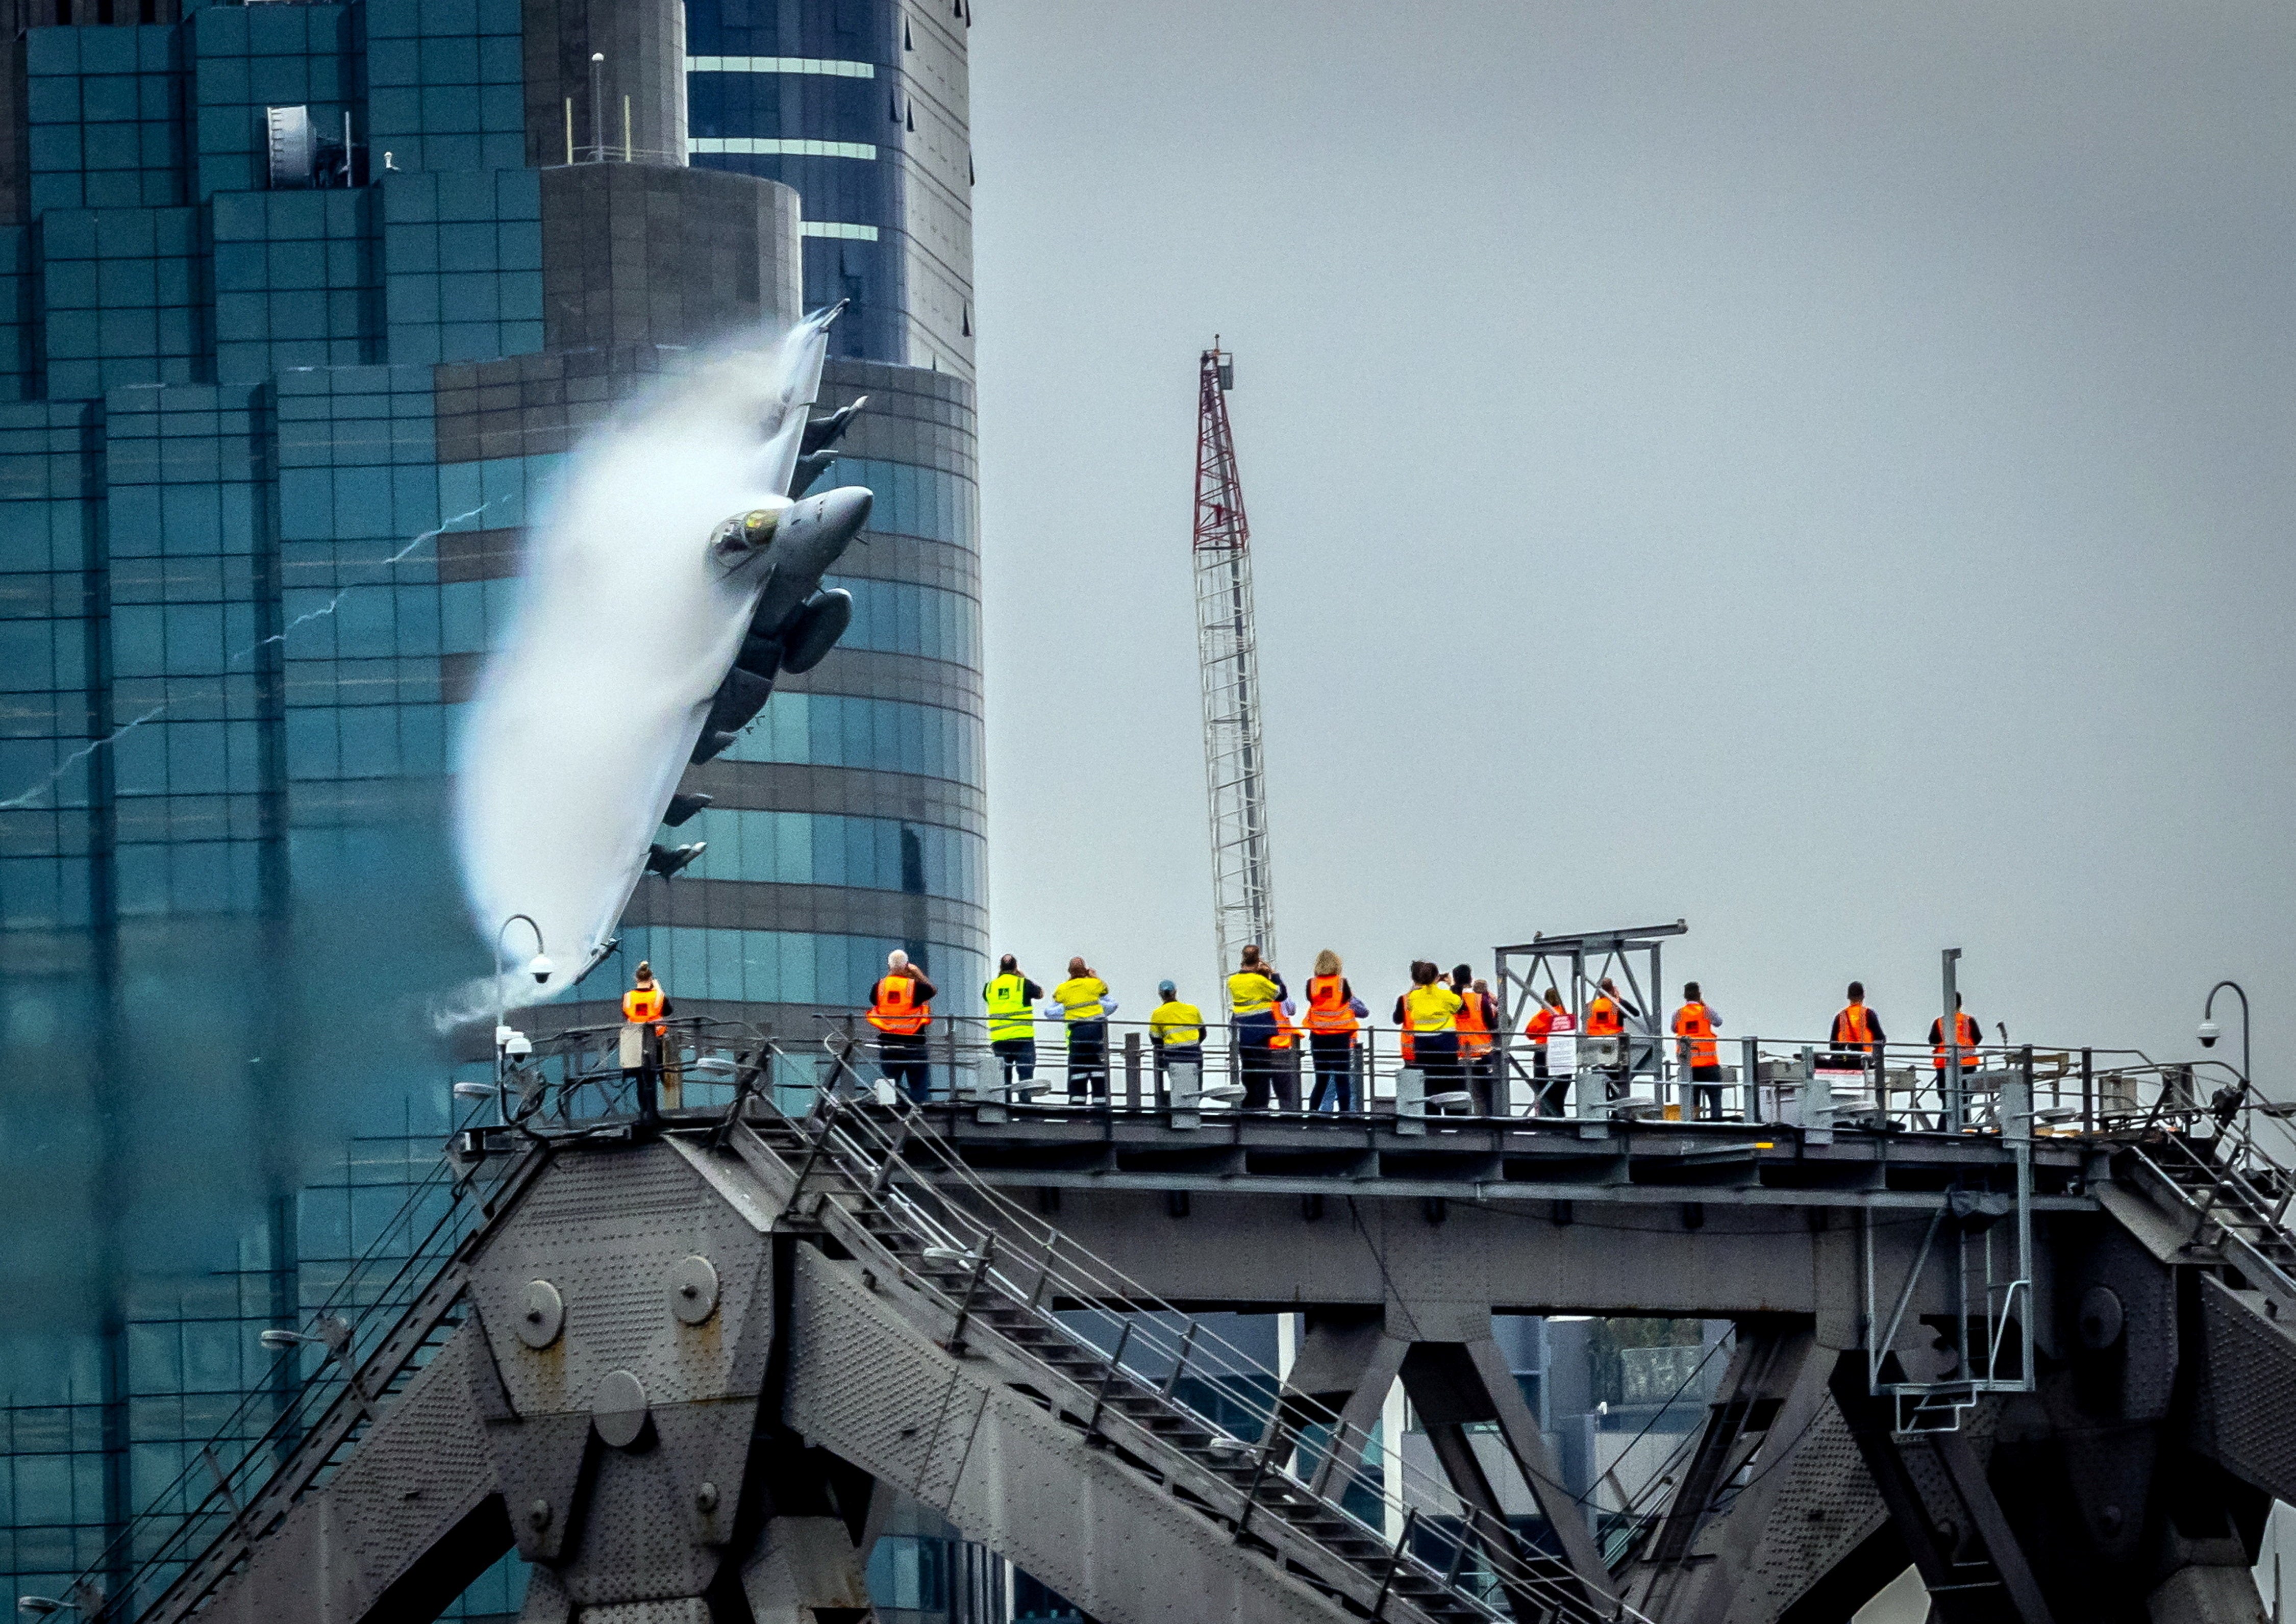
(781, 64)
(778, 146)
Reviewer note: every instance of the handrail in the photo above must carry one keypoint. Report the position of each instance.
(212, 1495)
(2264, 1264)
(1228, 1373)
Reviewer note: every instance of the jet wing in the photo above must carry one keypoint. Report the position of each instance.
(803, 352)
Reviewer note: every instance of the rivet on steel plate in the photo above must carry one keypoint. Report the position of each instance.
(694, 1290)
(542, 1314)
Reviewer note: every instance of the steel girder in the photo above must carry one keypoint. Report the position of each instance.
(668, 1441)
(679, 1415)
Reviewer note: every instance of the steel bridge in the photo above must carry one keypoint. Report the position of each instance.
(674, 1354)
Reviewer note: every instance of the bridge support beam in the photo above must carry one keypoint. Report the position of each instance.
(1456, 1375)
(1772, 1400)
(1982, 1576)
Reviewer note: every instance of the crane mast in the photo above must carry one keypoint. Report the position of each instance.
(1227, 649)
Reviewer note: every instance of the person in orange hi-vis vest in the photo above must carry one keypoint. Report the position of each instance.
(1966, 1033)
(1334, 1015)
(1857, 1036)
(1550, 1018)
(647, 1002)
(1477, 1019)
(1606, 1014)
(900, 1007)
(1695, 1026)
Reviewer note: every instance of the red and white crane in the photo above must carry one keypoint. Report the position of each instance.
(1235, 757)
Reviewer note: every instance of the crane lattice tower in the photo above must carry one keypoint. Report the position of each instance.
(1234, 759)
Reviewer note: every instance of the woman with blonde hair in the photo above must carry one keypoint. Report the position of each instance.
(1333, 1011)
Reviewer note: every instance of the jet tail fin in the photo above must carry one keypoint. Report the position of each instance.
(805, 349)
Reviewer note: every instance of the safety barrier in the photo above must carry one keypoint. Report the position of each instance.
(1589, 1086)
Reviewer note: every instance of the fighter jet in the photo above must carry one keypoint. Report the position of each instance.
(797, 621)
(647, 643)
(795, 624)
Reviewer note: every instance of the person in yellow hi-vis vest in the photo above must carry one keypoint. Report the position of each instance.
(1012, 1022)
(1255, 994)
(1429, 1014)
(1082, 1001)
(1175, 1031)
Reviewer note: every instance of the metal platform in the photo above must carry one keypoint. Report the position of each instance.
(669, 1356)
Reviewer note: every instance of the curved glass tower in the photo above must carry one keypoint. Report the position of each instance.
(850, 819)
(301, 309)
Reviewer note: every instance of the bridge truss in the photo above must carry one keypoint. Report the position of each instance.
(673, 1357)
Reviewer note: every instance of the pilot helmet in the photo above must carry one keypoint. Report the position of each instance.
(745, 533)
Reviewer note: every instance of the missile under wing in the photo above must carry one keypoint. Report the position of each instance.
(672, 550)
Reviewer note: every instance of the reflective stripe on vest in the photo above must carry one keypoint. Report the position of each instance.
(1965, 1030)
(1250, 992)
(1180, 1025)
(897, 1010)
(1007, 998)
(1327, 1004)
(1080, 998)
(1603, 1017)
(1283, 1028)
(1429, 1010)
(1474, 1032)
(1692, 1021)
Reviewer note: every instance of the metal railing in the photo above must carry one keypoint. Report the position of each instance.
(2232, 1159)
(1150, 1348)
(1641, 1509)
(1798, 1083)
(334, 1358)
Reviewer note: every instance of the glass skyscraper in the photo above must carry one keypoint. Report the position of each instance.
(301, 309)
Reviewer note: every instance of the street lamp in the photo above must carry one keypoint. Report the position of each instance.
(541, 969)
(84, 1598)
(2209, 1032)
(332, 1332)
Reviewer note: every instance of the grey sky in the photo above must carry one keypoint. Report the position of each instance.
(1819, 471)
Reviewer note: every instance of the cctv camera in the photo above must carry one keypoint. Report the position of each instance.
(541, 968)
(2209, 1032)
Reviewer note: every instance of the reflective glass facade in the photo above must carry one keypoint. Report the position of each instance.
(861, 105)
(267, 456)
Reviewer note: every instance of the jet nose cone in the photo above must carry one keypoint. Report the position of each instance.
(819, 529)
(845, 510)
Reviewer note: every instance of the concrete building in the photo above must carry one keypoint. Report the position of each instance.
(301, 308)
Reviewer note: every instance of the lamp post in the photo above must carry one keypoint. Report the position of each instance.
(541, 969)
(2209, 1032)
(597, 107)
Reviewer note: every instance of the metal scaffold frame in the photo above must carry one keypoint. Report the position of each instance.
(1228, 649)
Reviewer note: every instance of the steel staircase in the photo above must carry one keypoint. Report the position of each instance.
(389, 1316)
(1134, 1375)
(2237, 1190)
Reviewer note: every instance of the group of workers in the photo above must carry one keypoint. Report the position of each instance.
(1447, 1026)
